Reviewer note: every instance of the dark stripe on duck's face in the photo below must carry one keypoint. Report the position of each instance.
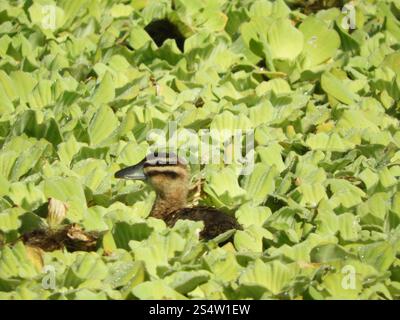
(169, 174)
(162, 164)
(172, 171)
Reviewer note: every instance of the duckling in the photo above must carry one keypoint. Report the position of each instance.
(169, 177)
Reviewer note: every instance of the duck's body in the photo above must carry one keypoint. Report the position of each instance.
(168, 175)
(215, 221)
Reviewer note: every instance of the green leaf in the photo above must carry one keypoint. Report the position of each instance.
(272, 276)
(124, 232)
(138, 37)
(329, 142)
(70, 191)
(320, 42)
(102, 126)
(224, 187)
(249, 214)
(15, 263)
(222, 264)
(336, 285)
(157, 250)
(42, 15)
(7, 86)
(329, 252)
(121, 10)
(186, 281)
(272, 155)
(41, 96)
(375, 209)
(260, 183)
(156, 290)
(123, 272)
(9, 219)
(26, 195)
(380, 255)
(349, 227)
(105, 91)
(4, 185)
(369, 177)
(251, 239)
(285, 40)
(86, 266)
(133, 153)
(345, 193)
(24, 84)
(337, 89)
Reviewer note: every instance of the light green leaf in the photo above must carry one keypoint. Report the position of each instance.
(272, 276)
(105, 91)
(337, 89)
(103, 125)
(186, 281)
(15, 262)
(70, 191)
(222, 264)
(86, 266)
(285, 40)
(251, 239)
(345, 193)
(320, 42)
(260, 183)
(156, 290)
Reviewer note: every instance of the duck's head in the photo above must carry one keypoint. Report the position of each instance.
(165, 172)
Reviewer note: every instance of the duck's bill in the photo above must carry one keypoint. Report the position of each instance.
(132, 173)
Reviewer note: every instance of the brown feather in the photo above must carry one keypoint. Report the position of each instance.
(215, 221)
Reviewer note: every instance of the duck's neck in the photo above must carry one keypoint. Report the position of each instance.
(168, 202)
